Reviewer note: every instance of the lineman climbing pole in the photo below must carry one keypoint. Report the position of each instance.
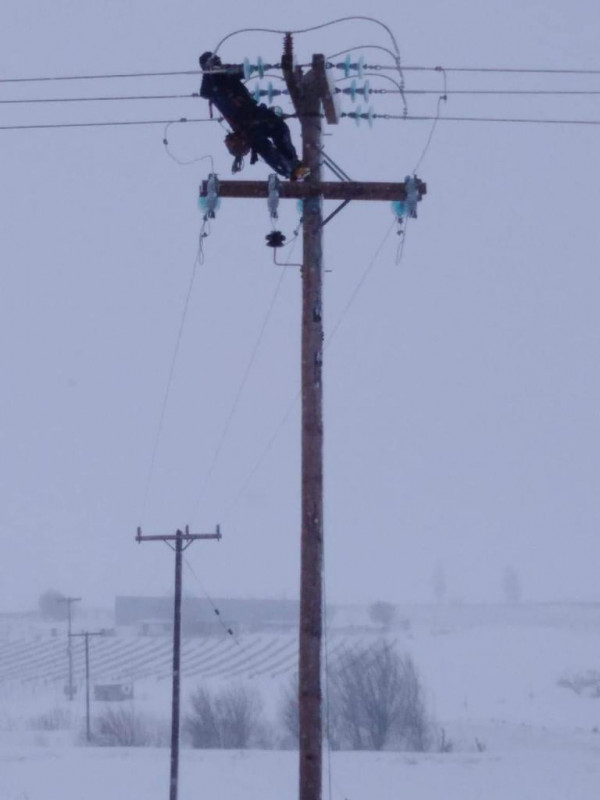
(312, 95)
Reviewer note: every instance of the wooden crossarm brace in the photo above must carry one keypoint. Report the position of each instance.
(326, 90)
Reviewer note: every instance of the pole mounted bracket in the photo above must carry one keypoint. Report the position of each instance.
(209, 199)
(273, 191)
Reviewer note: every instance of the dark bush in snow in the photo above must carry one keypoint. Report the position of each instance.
(230, 719)
(373, 701)
(583, 683)
(124, 727)
(56, 719)
(376, 701)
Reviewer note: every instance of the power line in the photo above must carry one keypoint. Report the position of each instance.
(508, 70)
(217, 612)
(239, 393)
(26, 101)
(516, 120)
(195, 95)
(376, 67)
(551, 92)
(111, 124)
(350, 115)
(294, 400)
(47, 78)
(167, 391)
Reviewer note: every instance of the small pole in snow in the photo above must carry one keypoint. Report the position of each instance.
(69, 601)
(179, 537)
(86, 635)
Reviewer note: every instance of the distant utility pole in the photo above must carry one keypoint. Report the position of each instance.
(86, 635)
(182, 541)
(69, 601)
(313, 96)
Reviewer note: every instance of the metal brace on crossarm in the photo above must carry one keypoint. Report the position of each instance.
(209, 200)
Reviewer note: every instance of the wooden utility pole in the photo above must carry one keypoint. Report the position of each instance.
(86, 635)
(182, 541)
(308, 103)
(69, 601)
(313, 97)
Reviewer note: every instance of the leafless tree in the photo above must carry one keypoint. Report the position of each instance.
(440, 587)
(382, 613)
(238, 711)
(289, 713)
(51, 605)
(511, 586)
(201, 724)
(124, 727)
(376, 700)
(229, 719)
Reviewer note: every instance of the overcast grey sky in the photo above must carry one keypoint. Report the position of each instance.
(462, 387)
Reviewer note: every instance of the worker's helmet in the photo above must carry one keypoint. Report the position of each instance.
(237, 144)
(209, 60)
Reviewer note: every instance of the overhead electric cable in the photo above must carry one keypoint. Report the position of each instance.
(48, 78)
(508, 70)
(171, 374)
(227, 628)
(238, 395)
(362, 47)
(409, 117)
(399, 90)
(508, 92)
(115, 123)
(293, 402)
(312, 28)
(497, 91)
(517, 120)
(34, 100)
(377, 67)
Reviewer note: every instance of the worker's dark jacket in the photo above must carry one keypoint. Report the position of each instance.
(226, 91)
(266, 133)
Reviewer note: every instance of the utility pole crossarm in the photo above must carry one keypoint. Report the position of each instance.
(183, 536)
(328, 190)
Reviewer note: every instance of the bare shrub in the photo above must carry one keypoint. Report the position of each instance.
(200, 724)
(289, 715)
(511, 586)
(444, 744)
(56, 719)
(382, 613)
(583, 683)
(230, 719)
(124, 727)
(376, 701)
(52, 605)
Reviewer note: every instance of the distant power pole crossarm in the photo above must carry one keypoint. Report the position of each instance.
(182, 540)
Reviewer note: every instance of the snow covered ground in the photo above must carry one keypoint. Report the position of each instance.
(491, 679)
(553, 769)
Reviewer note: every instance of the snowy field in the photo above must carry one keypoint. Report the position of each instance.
(491, 680)
(548, 770)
